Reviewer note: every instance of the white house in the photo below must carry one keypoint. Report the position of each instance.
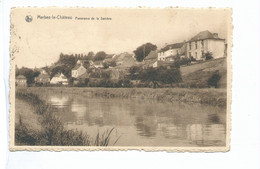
(170, 51)
(205, 42)
(78, 70)
(59, 78)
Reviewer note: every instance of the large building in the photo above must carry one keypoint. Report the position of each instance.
(196, 47)
(205, 42)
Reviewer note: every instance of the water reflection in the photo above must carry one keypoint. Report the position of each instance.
(145, 123)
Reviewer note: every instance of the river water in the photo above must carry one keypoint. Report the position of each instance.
(138, 122)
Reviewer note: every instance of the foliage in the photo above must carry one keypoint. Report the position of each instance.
(214, 79)
(134, 72)
(207, 55)
(90, 55)
(61, 69)
(105, 65)
(100, 56)
(162, 74)
(142, 51)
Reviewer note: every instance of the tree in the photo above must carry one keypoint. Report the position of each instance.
(100, 56)
(28, 73)
(90, 55)
(142, 51)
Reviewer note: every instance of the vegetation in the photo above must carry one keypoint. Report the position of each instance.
(207, 56)
(28, 73)
(142, 51)
(52, 130)
(214, 79)
(100, 56)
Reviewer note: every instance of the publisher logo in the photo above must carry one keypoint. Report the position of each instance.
(28, 18)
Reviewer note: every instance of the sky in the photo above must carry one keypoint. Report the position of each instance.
(42, 40)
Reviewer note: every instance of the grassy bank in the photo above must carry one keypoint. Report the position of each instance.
(50, 129)
(210, 96)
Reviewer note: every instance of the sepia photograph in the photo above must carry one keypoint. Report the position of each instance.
(118, 79)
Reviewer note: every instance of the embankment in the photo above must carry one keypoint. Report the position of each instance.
(210, 96)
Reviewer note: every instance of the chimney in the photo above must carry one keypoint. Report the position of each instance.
(215, 35)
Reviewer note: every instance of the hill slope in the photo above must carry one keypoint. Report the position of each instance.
(198, 74)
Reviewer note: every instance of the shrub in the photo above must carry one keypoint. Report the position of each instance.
(207, 56)
(214, 79)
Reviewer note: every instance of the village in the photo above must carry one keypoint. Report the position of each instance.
(146, 67)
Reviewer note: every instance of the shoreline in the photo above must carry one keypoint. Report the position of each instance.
(209, 96)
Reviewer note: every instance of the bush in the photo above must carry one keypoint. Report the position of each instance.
(207, 56)
(214, 79)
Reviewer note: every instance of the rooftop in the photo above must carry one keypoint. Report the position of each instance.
(172, 46)
(205, 35)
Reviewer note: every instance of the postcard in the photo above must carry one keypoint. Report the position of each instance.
(120, 79)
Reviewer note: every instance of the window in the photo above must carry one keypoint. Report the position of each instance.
(196, 56)
(202, 43)
(190, 54)
(190, 45)
(196, 45)
(202, 52)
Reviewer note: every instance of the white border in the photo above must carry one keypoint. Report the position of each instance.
(245, 103)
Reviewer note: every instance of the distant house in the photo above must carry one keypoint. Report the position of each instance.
(59, 78)
(81, 78)
(78, 70)
(43, 78)
(21, 81)
(205, 42)
(170, 51)
(98, 64)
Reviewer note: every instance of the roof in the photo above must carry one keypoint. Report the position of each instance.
(21, 77)
(205, 35)
(83, 76)
(172, 46)
(59, 74)
(77, 66)
(151, 55)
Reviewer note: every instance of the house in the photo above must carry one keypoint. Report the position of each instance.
(59, 78)
(78, 70)
(170, 51)
(205, 42)
(21, 81)
(43, 78)
(81, 79)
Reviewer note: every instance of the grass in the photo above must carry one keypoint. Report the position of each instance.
(197, 75)
(52, 130)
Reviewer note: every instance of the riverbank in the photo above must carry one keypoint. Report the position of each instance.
(210, 96)
(36, 124)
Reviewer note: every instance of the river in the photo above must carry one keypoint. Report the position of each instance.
(139, 122)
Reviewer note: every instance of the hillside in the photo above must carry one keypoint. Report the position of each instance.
(199, 73)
